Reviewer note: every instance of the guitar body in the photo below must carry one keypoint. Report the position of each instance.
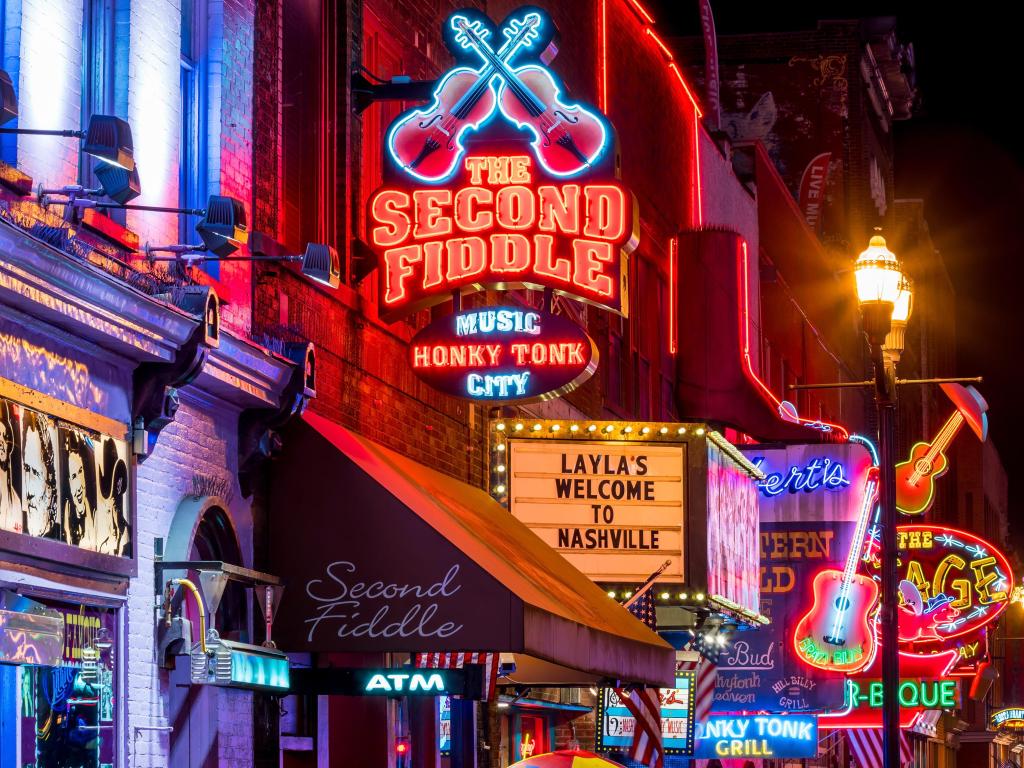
(837, 634)
(427, 142)
(915, 479)
(568, 138)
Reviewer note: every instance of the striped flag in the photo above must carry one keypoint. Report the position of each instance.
(489, 661)
(644, 704)
(867, 745)
(704, 691)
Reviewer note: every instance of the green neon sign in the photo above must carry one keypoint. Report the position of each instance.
(929, 694)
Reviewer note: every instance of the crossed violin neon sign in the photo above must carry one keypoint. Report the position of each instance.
(568, 138)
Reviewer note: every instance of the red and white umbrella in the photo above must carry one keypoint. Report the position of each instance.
(566, 758)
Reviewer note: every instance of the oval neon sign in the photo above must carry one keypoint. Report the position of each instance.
(503, 354)
(958, 583)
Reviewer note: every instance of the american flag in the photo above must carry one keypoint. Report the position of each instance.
(704, 691)
(866, 745)
(644, 704)
(489, 661)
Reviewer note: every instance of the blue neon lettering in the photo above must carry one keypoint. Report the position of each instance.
(487, 321)
(818, 473)
(498, 385)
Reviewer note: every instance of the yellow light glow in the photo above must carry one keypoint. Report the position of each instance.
(877, 273)
(700, 597)
(555, 427)
(500, 427)
(700, 431)
(609, 428)
(500, 447)
(592, 428)
(499, 489)
(683, 595)
(519, 427)
(904, 302)
(611, 593)
(536, 427)
(665, 595)
(627, 430)
(500, 468)
(574, 428)
(681, 431)
(663, 430)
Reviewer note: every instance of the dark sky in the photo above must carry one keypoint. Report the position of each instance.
(962, 155)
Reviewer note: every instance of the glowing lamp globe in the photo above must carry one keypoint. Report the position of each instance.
(901, 310)
(879, 280)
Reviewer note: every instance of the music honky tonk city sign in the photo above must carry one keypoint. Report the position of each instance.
(501, 182)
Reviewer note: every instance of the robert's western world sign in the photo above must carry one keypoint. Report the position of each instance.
(502, 182)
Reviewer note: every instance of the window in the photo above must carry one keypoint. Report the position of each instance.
(192, 151)
(215, 540)
(104, 73)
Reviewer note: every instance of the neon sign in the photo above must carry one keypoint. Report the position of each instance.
(764, 736)
(956, 584)
(500, 228)
(472, 202)
(503, 354)
(567, 139)
(405, 682)
(616, 724)
(1008, 718)
(819, 473)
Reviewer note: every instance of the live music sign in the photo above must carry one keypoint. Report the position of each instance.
(502, 222)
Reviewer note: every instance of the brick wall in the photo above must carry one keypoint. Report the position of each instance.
(201, 440)
(49, 86)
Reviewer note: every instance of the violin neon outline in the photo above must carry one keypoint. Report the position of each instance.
(468, 32)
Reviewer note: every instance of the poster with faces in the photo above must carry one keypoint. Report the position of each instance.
(60, 481)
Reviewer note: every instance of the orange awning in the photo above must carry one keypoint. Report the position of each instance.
(383, 554)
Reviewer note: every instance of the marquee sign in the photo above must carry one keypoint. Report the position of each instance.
(500, 182)
(613, 509)
(1009, 718)
(954, 584)
(508, 354)
(757, 736)
(616, 724)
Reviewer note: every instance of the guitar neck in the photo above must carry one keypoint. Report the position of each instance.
(858, 534)
(946, 435)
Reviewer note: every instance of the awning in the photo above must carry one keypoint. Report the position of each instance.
(382, 554)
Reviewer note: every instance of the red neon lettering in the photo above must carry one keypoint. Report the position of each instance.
(466, 257)
(456, 355)
(467, 218)
(395, 224)
(552, 353)
(519, 169)
(430, 221)
(589, 262)
(397, 267)
(559, 209)
(544, 264)
(475, 165)
(515, 207)
(433, 273)
(510, 253)
(606, 212)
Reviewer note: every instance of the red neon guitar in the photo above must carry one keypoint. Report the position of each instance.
(568, 138)
(428, 142)
(915, 477)
(836, 634)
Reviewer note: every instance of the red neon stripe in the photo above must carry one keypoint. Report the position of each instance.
(655, 38)
(698, 192)
(689, 93)
(748, 367)
(643, 11)
(604, 56)
(673, 330)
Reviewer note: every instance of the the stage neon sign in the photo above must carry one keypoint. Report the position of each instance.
(501, 227)
(503, 354)
(963, 582)
(819, 473)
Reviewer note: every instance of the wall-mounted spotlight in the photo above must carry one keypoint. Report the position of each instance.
(319, 263)
(107, 138)
(116, 183)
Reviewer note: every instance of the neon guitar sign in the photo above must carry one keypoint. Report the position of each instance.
(567, 138)
(915, 477)
(837, 633)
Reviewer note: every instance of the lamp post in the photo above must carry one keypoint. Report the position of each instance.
(885, 304)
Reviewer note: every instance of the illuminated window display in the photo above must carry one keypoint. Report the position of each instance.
(66, 714)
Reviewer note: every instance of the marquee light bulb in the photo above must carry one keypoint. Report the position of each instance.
(592, 428)
(665, 595)
(611, 593)
(574, 428)
(700, 597)
(519, 427)
(500, 468)
(500, 427)
(700, 431)
(499, 489)
(555, 427)
(627, 430)
(536, 427)
(500, 447)
(609, 428)
(681, 431)
(683, 595)
(663, 430)
(645, 431)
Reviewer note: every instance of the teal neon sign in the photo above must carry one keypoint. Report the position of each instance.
(405, 682)
(251, 670)
(930, 694)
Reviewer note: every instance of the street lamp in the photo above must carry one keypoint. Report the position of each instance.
(885, 303)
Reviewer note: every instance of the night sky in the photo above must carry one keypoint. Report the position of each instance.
(963, 155)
